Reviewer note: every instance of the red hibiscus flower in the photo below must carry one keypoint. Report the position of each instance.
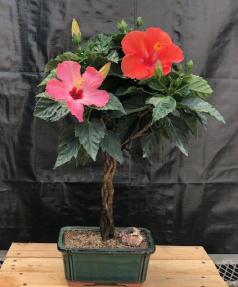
(143, 50)
(78, 90)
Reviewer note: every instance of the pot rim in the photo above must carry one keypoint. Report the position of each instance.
(149, 250)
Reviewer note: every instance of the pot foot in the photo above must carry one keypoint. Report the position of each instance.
(129, 285)
(81, 284)
(85, 284)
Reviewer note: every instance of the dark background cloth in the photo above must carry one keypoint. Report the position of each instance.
(184, 201)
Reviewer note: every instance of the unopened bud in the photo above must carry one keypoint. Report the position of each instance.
(139, 22)
(123, 26)
(159, 70)
(105, 70)
(76, 33)
(190, 65)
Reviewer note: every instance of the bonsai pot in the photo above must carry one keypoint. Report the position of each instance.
(104, 265)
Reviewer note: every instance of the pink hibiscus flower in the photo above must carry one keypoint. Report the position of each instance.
(77, 90)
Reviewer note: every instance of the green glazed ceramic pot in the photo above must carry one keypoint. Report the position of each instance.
(100, 265)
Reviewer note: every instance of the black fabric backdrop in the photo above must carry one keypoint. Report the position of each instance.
(182, 200)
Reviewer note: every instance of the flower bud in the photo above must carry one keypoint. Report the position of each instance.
(76, 33)
(123, 26)
(139, 22)
(159, 70)
(190, 65)
(105, 70)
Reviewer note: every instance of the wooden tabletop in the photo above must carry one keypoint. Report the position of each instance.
(40, 264)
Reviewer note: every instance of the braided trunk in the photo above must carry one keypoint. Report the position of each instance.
(107, 221)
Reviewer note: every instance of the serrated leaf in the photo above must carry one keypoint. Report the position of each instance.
(177, 132)
(113, 56)
(50, 110)
(50, 76)
(199, 85)
(43, 95)
(149, 144)
(90, 135)
(67, 56)
(114, 104)
(111, 144)
(68, 147)
(198, 105)
(101, 44)
(162, 106)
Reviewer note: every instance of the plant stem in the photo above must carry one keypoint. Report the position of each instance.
(137, 135)
(107, 220)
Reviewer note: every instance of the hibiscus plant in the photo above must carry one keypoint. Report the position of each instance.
(118, 92)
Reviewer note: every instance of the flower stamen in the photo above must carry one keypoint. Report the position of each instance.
(158, 46)
(79, 83)
(76, 94)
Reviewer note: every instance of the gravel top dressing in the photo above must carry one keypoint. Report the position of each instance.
(92, 239)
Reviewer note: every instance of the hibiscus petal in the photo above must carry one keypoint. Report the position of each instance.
(157, 35)
(69, 73)
(57, 90)
(98, 98)
(76, 108)
(172, 53)
(92, 79)
(134, 43)
(134, 67)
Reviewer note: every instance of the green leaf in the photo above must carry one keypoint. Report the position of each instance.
(50, 110)
(176, 131)
(157, 84)
(133, 104)
(83, 158)
(190, 120)
(149, 144)
(90, 135)
(50, 76)
(127, 126)
(68, 147)
(114, 104)
(51, 65)
(122, 91)
(198, 105)
(111, 144)
(202, 118)
(43, 95)
(136, 110)
(113, 56)
(67, 56)
(162, 106)
(101, 44)
(199, 85)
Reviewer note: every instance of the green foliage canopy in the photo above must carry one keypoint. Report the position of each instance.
(169, 107)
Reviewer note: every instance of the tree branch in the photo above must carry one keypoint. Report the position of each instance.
(137, 135)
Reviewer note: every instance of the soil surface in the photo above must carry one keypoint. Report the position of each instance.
(92, 239)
